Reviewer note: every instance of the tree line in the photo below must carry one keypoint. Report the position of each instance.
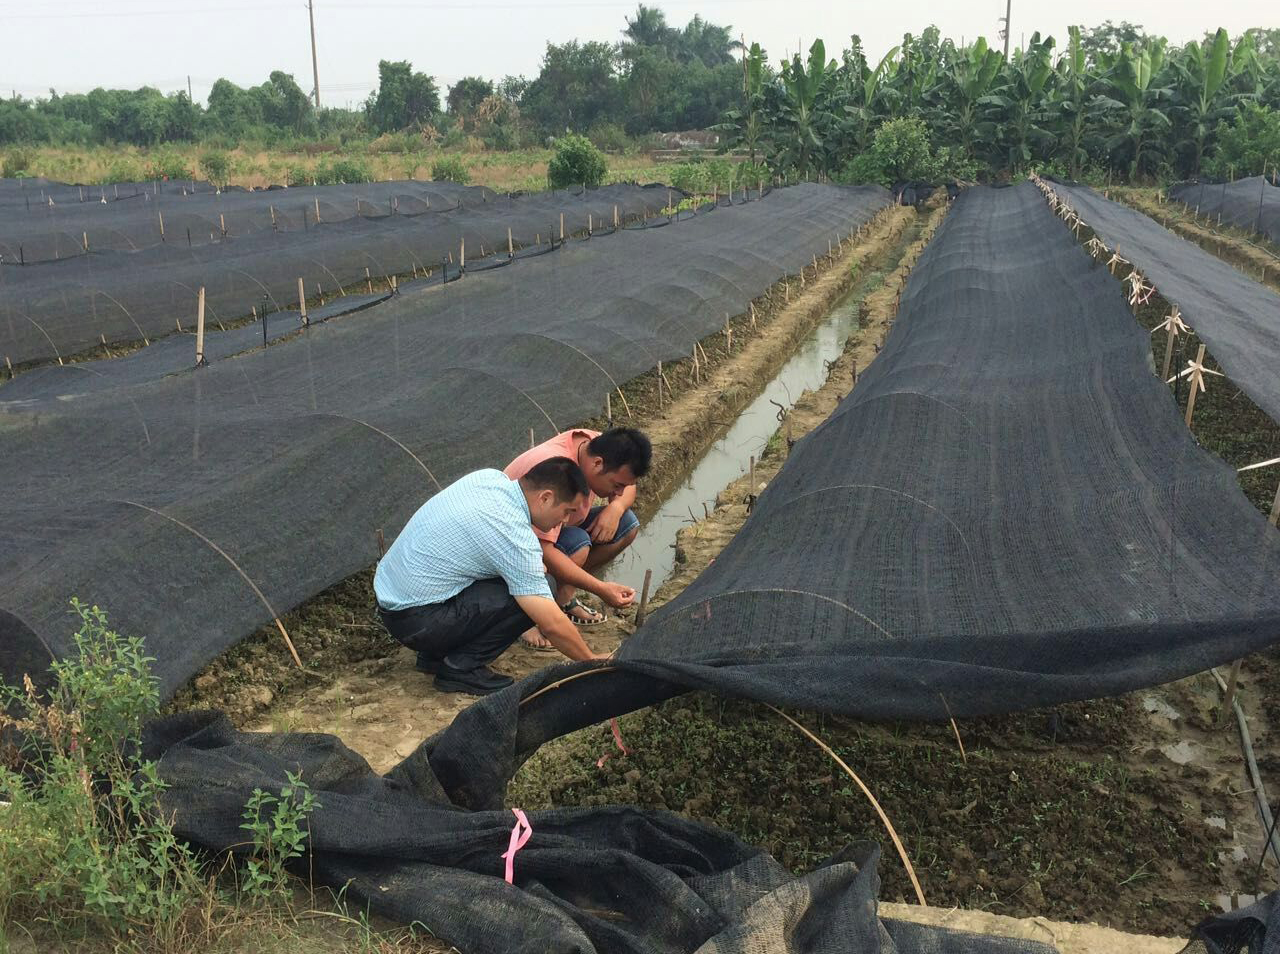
(1112, 100)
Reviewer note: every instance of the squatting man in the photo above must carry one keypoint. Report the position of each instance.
(500, 555)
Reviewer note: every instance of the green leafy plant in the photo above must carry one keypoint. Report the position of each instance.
(215, 165)
(576, 162)
(450, 169)
(15, 164)
(277, 824)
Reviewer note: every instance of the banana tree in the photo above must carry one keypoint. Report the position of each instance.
(864, 84)
(967, 81)
(1019, 101)
(801, 86)
(1202, 73)
(1069, 104)
(1133, 73)
(747, 128)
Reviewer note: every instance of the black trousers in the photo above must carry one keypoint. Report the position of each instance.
(467, 630)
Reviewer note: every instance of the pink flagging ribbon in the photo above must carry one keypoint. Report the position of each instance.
(617, 738)
(520, 834)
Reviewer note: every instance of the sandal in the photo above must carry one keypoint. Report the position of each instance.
(536, 641)
(593, 618)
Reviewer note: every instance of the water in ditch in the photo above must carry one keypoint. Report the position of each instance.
(729, 457)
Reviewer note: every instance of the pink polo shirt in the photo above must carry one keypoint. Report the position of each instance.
(562, 445)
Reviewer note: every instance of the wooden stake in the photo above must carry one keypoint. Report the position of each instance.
(751, 475)
(643, 611)
(753, 314)
(1170, 335)
(615, 216)
(302, 301)
(368, 279)
(462, 254)
(84, 236)
(1228, 701)
(317, 210)
(1191, 398)
(659, 384)
(200, 361)
(382, 543)
(8, 365)
(532, 440)
(273, 217)
(511, 248)
(608, 407)
(562, 228)
(160, 215)
(625, 406)
(103, 340)
(222, 224)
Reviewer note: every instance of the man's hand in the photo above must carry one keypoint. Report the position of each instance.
(616, 595)
(605, 527)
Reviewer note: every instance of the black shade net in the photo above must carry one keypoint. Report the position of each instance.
(1238, 318)
(196, 505)
(58, 307)
(1007, 512)
(616, 880)
(1252, 204)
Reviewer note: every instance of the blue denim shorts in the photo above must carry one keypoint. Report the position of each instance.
(573, 539)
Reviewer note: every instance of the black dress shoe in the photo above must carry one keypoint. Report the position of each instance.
(477, 682)
(428, 664)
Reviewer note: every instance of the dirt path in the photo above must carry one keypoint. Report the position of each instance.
(364, 688)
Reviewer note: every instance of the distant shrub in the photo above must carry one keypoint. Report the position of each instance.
(336, 171)
(124, 169)
(899, 152)
(751, 175)
(16, 164)
(297, 175)
(215, 165)
(576, 162)
(450, 169)
(609, 137)
(168, 165)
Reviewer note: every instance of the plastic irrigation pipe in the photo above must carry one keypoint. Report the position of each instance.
(1259, 791)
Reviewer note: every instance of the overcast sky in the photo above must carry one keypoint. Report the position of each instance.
(75, 45)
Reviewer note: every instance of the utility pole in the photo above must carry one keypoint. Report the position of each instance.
(315, 68)
(1008, 12)
(190, 95)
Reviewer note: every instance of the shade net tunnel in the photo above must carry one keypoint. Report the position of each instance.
(1252, 203)
(56, 307)
(1005, 512)
(1238, 318)
(197, 506)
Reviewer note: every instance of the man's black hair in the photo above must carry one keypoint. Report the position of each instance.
(560, 474)
(623, 447)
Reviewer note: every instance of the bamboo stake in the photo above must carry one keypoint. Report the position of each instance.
(625, 406)
(1194, 378)
(1233, 678)
(302, 301)
(643, 610)
(222, 224)
(317, 210)
(462, 254)
(532, 440)
(562, 228)
(382, 543)
(160, 215)
(368, 279)
(84, 236)
(659, 384)
(615, 216)
(273, 217)
(8, 365)
(893, 834)
(751, 474)
(200, 361)
(511, 249)
(608, 407)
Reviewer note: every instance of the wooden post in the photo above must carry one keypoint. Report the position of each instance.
(608, 407)
(8, 365)
(222, 224)
(1168, 348)
(644, 599)
(697, 371)
(590, 225)
(753, 314)
(511, 248)
(561, 228)
(160, 215)
(200, 361)
(1229, 698)
(1191, 398)
(273, 217)
(317, 210)
(659, 384)
(368, 279)
(751, 475)
(532, 441)
(302, 301)
(84, 237)
(728, 336)
(382, 543)
(392, 282)
(615, 216)
(462, 254)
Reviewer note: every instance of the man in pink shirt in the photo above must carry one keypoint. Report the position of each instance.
(594, 535)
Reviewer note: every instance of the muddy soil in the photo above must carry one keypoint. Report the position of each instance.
(1132, 812)
(352, 666)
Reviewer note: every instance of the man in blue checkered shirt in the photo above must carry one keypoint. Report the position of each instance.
(465, 577)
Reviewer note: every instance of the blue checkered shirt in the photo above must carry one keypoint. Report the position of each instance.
(477, 528)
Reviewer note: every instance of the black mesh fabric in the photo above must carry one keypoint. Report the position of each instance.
(192, 505)
(1006, 512)
(1252, 204)
(1251, 930)
(54, 308)
(616, 880)
(1236, 317)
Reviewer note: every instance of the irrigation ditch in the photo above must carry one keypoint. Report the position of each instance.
(1133, 812)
